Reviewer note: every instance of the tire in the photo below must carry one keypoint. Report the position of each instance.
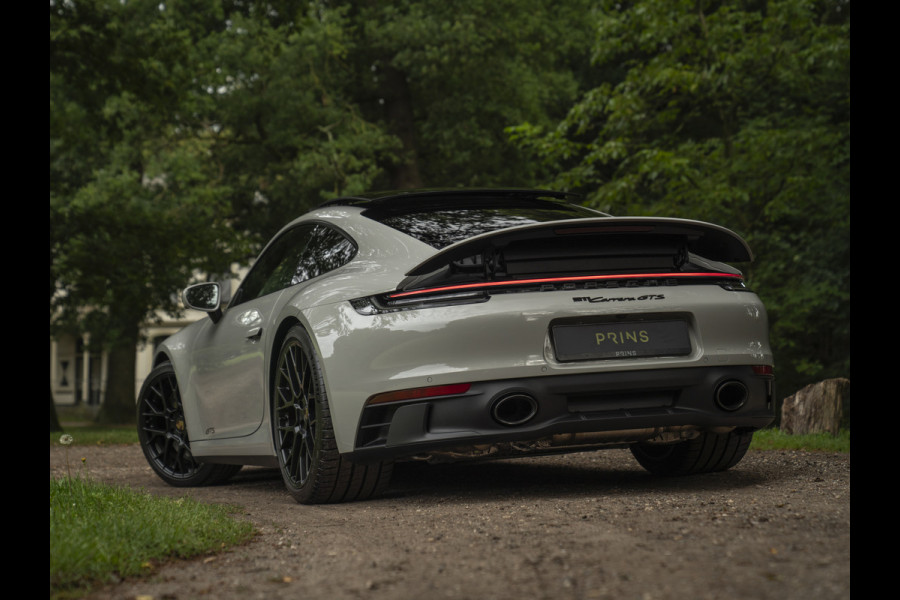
(707, 453)
(164, 438)
(312, 468)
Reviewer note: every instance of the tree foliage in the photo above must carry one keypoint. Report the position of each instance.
(136, 207)
(288, 129)
(447, 81)
(336, 98)
(734, 112)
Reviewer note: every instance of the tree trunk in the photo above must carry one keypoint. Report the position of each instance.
(817, 408)
(398, 108)
(54, 419)
(119, 405)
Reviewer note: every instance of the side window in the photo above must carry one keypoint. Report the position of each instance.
(327, 250)
(267, 275)
(304, 252)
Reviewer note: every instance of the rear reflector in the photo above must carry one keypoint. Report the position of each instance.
(763, 369)
(418, 393)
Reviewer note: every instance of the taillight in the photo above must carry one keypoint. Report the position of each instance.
(374, 305)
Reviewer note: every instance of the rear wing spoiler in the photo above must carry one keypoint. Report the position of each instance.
(704, 239)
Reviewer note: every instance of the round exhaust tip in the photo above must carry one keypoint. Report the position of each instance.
(731, 395)
(514, 409)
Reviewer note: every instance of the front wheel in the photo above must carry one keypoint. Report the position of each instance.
(312, 468)
(164, 437)
(707, 453)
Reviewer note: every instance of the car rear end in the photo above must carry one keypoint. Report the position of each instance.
(550, 335)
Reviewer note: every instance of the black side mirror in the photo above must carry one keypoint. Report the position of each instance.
(206, 297)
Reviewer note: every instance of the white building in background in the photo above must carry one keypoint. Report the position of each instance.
(78, 375)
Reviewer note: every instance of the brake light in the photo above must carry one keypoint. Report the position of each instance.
(551, 280)
(374, 305)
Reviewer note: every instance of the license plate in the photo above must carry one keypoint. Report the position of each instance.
(621, 340)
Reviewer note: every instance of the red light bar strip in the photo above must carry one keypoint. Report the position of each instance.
(491, 284)
(416, 393)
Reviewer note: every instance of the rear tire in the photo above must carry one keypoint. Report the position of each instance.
(707, 453)
(312, 468)
(163, 434)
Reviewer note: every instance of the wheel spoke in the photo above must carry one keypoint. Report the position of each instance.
(297, 459)
(310, 446)
(294, 373)
(284, 398)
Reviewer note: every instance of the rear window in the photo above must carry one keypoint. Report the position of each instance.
(441, 227)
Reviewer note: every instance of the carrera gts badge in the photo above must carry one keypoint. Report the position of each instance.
(618, 298)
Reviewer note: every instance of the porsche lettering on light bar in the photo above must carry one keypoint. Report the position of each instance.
(496, 284)
(419, 393)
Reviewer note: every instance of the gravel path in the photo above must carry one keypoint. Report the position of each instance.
(579, 526)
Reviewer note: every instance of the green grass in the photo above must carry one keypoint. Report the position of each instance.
(99, 532)
(774, 439)
(81, 423)
(96, 435)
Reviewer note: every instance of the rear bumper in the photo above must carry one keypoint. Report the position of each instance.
(638, 404)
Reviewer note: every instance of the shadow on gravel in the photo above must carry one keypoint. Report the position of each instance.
(530, 478)
(538, 478)
(257, 477)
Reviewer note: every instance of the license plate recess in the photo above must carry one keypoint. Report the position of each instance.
(593, 341)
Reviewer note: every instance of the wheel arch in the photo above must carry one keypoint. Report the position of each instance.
(160, 358)
(175, 350)
(277, 340)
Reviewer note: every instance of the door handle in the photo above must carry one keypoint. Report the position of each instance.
(254, 334)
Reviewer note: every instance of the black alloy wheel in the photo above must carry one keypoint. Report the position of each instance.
(163, 434)
(295, 411)
(312, 468)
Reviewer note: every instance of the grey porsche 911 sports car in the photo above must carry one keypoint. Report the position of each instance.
(451, 324)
